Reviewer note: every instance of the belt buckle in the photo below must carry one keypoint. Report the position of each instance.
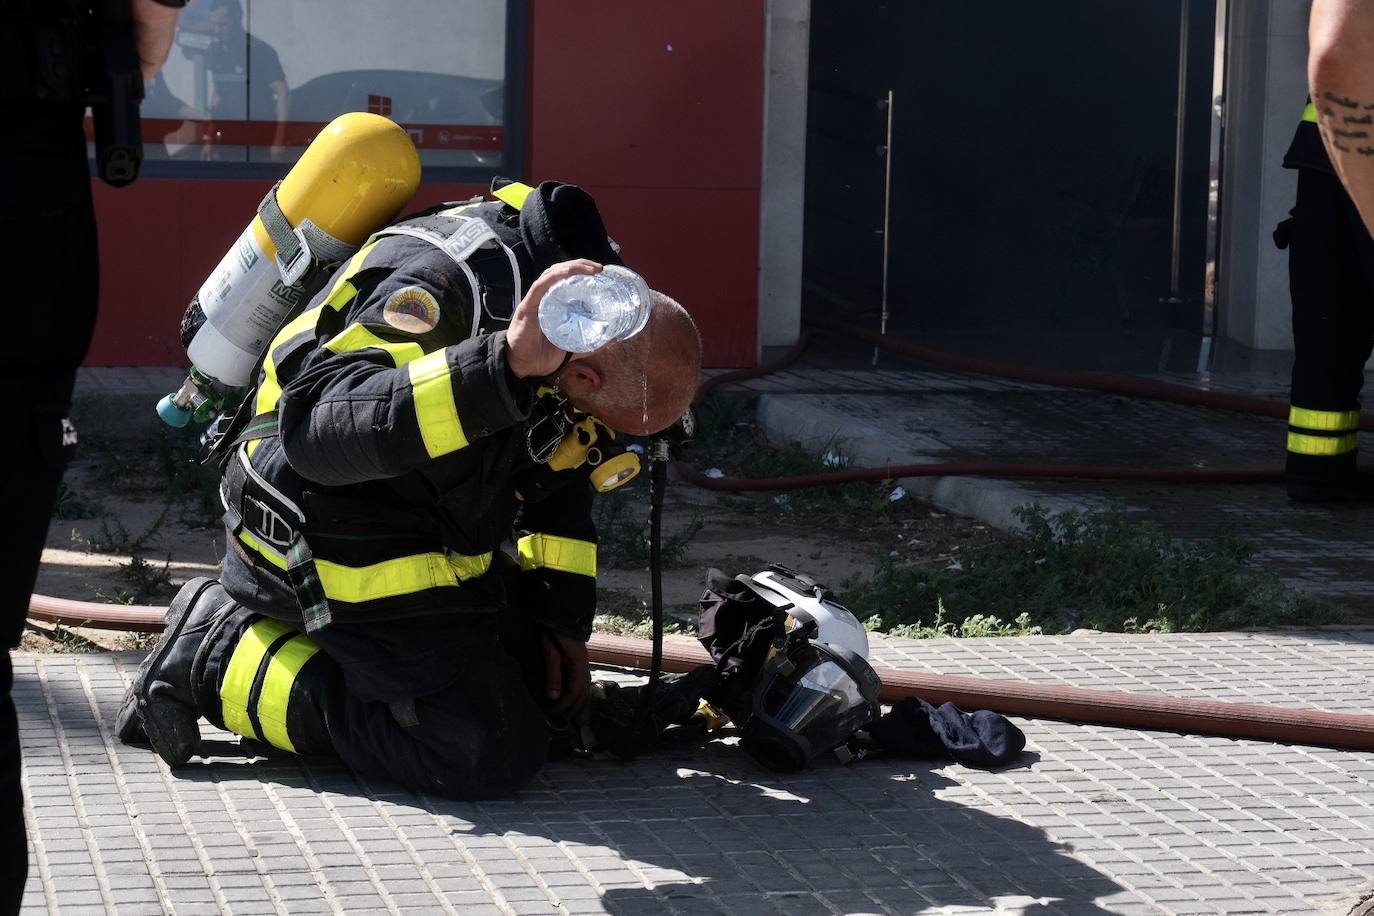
(271, 527)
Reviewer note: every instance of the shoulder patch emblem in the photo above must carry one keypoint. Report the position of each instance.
(412, 309)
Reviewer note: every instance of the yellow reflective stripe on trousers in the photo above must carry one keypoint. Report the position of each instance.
(387, 579)
(513, 194)
(1333, 421)
(431, 389)
(358, 337)
(1309, 113)
(550, 551)
(243, 670)
(1325, 446)
(275, 695)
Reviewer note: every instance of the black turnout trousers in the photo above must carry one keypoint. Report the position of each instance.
(448, 705)
(1331, 281)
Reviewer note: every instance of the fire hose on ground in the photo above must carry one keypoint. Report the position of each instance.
(1048, 701)
(1155, 712)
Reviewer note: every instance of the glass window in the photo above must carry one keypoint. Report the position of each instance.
(253, 81)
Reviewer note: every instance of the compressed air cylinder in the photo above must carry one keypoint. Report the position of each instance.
(352, 180)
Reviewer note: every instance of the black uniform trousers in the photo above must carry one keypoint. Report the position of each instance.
(48, 228)
(1331, 282)
(446, 705)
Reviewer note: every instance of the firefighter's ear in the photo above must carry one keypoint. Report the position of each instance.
(580, 378)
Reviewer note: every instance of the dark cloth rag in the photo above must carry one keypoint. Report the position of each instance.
(914, 728)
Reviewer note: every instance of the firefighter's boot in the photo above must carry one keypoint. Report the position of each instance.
(160, 706)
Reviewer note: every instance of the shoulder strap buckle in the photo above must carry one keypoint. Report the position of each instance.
(298, 246)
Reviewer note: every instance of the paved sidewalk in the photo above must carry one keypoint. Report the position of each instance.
(1094, 820)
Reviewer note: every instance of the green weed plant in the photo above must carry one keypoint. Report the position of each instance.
(1103, 570)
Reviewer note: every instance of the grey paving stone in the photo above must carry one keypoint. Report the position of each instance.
(1218, 827)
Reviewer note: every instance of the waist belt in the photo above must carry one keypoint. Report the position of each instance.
(264, 518)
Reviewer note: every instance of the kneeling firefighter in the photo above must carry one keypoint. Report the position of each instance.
(403, 425)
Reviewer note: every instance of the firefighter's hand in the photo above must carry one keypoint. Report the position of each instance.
(567, 672)
(529, 352)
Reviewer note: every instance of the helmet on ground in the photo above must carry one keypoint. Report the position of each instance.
(804, 598)
(816, 688)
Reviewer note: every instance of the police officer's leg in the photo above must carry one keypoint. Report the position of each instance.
(1330, 341)
(47, 222)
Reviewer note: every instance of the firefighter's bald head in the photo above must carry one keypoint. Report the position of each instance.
(640, 386)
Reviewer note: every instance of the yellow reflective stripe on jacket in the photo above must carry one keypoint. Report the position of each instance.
(1300, 444)
(275, 695)
(342, 293)
(401, 576)
(267, 553)
(387, 579)
(1335, 421)
(1309, 113)
(435, 409)
(243, 670)
(359, 337)
(513, 194)
(553, 552)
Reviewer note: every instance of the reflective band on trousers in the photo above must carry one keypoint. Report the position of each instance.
(263, 657)
(387, 579)
(1327, 421)
(1309, 113)
(1300, 444)
(553, 552)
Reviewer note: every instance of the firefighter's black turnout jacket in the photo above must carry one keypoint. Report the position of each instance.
(389, 455)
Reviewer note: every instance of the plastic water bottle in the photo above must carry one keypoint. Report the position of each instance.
(585, 312)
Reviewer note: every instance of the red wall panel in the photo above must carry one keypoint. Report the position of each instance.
(678, 240)
(655, 108)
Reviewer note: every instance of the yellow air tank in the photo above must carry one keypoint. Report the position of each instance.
(353, 179)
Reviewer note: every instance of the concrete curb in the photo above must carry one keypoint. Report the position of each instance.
(808, 421)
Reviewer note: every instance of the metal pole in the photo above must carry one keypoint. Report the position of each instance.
(1214, 167)
(887, 219)
(1181, 110)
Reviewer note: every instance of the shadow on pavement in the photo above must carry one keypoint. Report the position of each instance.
(711, 832)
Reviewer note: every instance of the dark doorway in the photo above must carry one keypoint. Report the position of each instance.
(1032, 177)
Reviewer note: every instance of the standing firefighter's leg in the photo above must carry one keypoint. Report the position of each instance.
(1331, 342)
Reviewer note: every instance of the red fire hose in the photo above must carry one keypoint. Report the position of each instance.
(1154, 712)
(1090, 381)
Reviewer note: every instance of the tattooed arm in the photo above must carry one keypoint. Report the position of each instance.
(1340, 70)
